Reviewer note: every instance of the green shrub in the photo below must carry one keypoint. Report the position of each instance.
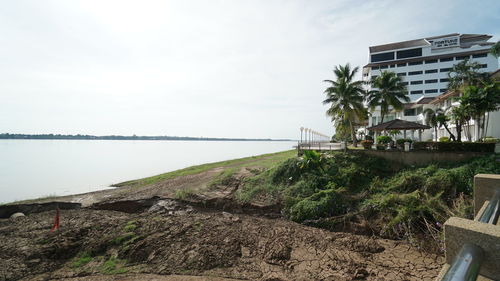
(455, 146)
(381, 147)
(402, 141)
(321, 204)
(444, 139)
(490, 139)
(384, 139)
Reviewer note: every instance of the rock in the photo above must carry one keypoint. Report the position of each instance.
(17, 215)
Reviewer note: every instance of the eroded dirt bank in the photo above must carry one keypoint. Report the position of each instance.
(104, 244)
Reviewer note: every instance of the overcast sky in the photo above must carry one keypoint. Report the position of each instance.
(198, 68)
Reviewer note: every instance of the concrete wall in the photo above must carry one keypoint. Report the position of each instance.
(419, 158)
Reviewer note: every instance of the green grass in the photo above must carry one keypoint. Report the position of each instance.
(183, 193)
(82, 259)
(113, 266)
(223, 178)
(130, 226)
(265, 161)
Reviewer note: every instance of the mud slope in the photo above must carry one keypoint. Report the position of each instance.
(182, 243)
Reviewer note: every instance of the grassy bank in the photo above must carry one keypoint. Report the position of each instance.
(262, 161)
(411, 203)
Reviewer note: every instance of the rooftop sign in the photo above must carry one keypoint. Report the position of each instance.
(446, 42)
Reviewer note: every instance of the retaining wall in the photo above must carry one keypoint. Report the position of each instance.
(419, 158)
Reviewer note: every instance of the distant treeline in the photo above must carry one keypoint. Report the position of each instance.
(114, 137)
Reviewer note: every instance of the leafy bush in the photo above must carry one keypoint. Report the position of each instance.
(455, 146)
(381, 147)
(367, 144)
(402, 141)
(408, 204)
(444, 139)
(368, 137)
(384, 139)
(490, 139)
(324, 203)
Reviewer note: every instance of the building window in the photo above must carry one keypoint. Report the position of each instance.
(375, 67)
(420, 109)
(484, 65)
(402, 74)
(444, 80)
(404, 83)
(392, 66)
(446, 59)
(401, 64)
(384, 66)
(431, 91)
(418, 82)
(389, 118)
(411, 53)
(462, 57)
(431, 71)
(430, 81)
(480, 55)
(374, 121)
(410, 112)
(416, 92)
(415, 63)
(430, 61)
(382, 56)
(415, 72)
(443, 90)
(445, 69)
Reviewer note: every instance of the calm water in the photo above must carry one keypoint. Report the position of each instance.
(35, 168)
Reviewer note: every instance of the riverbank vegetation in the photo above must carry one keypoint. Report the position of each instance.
(328, 190)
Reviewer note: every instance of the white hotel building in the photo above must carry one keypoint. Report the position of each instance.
(424, 65)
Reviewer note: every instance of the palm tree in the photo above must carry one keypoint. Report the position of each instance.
(346, 98)
(460, 116)
(495, 49)
(391, 93)
(479, 100)
(431, 120)
(437, 119)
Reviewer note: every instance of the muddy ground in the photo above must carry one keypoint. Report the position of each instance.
(147, 234)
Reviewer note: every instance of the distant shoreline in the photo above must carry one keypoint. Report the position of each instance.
(115, 137)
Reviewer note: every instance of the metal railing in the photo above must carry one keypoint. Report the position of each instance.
(467, 263)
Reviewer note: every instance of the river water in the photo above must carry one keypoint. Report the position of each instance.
(37, 168)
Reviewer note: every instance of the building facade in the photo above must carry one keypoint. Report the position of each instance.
(424, 65)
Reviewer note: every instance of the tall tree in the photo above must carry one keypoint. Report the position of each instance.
(463, 74)
(460, 116)
(479, 100)
(389, 92)
(431, 120)
(437, 119)
(345, 96)
(495, 49)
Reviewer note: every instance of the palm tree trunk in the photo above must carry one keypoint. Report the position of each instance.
(477, 128)
(353, 135)
(487, 116)
(458, 126)
(435, 133)
(452, 136)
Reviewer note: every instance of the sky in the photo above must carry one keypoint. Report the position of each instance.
(251, 69)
